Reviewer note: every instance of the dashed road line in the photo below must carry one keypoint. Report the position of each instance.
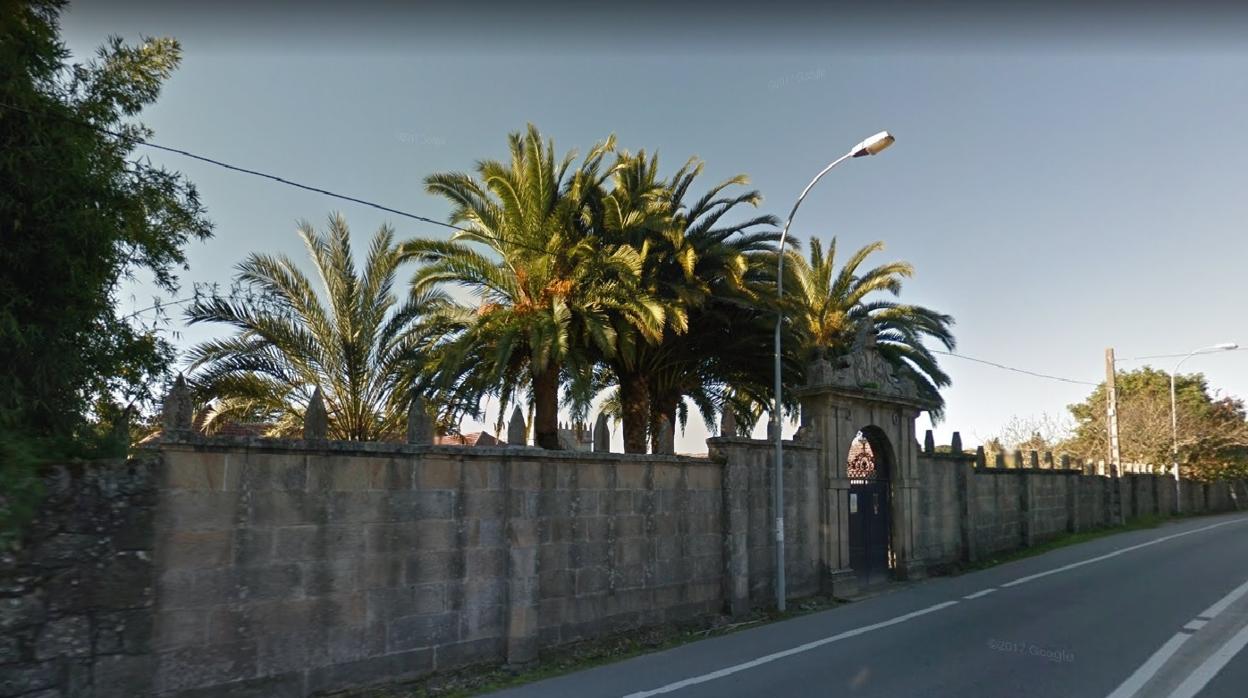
(979, 594)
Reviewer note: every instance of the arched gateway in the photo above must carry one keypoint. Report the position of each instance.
(862, 412)
(868, 466)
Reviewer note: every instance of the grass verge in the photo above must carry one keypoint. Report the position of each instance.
(1068, 539)
(473, 681)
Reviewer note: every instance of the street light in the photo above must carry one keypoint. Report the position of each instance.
(1174, 415)
(870, 146)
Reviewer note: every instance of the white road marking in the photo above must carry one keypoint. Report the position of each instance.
(766, 659)
(728, 671)
(1225, 601)
(1206, 671)
(1211, 666)
(979, 594)
(1141, 676)
(1116, 553)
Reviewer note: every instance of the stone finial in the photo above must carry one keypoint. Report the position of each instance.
(802, 433)
(728, 423)
(955, 444)
(419, 425)
(1065, 462)
(665, 439)
(998, 460)
(516, 428)
(929, 443)
(315, 418)
(819, 372)
(1033, 460)
(981, 458)
(602, 434)
(1048, 459)
(1018, 459)
(773, 429)
(175, 413)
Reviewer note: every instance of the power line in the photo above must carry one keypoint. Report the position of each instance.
(1016, 370)
(265, 175)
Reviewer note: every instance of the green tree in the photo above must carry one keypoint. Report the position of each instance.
(711, 277)
(549, 290)
(1213, 435)
(362, 347)
(79, 213)
(832, 306)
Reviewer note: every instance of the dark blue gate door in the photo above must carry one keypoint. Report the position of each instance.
(868, 529)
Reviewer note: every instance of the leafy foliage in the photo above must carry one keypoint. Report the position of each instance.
(362, 347)
(833, 306)
(78, 214)
(550, 294)
(714, 281)
(1213, 433)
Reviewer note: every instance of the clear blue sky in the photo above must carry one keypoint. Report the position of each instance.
(1061, 183)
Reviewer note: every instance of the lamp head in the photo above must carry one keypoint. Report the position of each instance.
(873, 145)
(1226, 346)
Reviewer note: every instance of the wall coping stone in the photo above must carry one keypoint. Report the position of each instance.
(375, 448)
(743, 441)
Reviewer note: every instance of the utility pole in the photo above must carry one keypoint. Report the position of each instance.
(1111, 412)
(1111, 425)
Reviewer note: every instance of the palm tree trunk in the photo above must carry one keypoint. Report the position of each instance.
(635, 405)
(546, 408)
(662, 405)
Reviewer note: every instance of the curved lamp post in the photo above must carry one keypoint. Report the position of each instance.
(1174, 414)
(870, 146)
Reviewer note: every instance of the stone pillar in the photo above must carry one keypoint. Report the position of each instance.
(176, 418)
(1026, 529)
(1073, 480)
(516, 429)
(905, 488)
(315, 418)
(602, 434)
(736, 517)
(523, 482)
(419, 426)
(966, 507)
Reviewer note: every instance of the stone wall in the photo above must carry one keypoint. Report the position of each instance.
(749, 527)
(289, 569)
(971, 510)
(257, 567)
(76, 597)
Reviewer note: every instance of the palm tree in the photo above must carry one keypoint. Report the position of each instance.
(831, 307)
(362, 347)
(711, 284)
(550, 293)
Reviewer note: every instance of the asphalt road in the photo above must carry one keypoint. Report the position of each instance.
(1162, 612)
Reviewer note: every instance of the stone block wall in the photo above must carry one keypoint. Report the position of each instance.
(970, 511)
(289, 568)
(998, 519)
(749, 520)
(256, 567)
(76, 597)
(940, 506)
